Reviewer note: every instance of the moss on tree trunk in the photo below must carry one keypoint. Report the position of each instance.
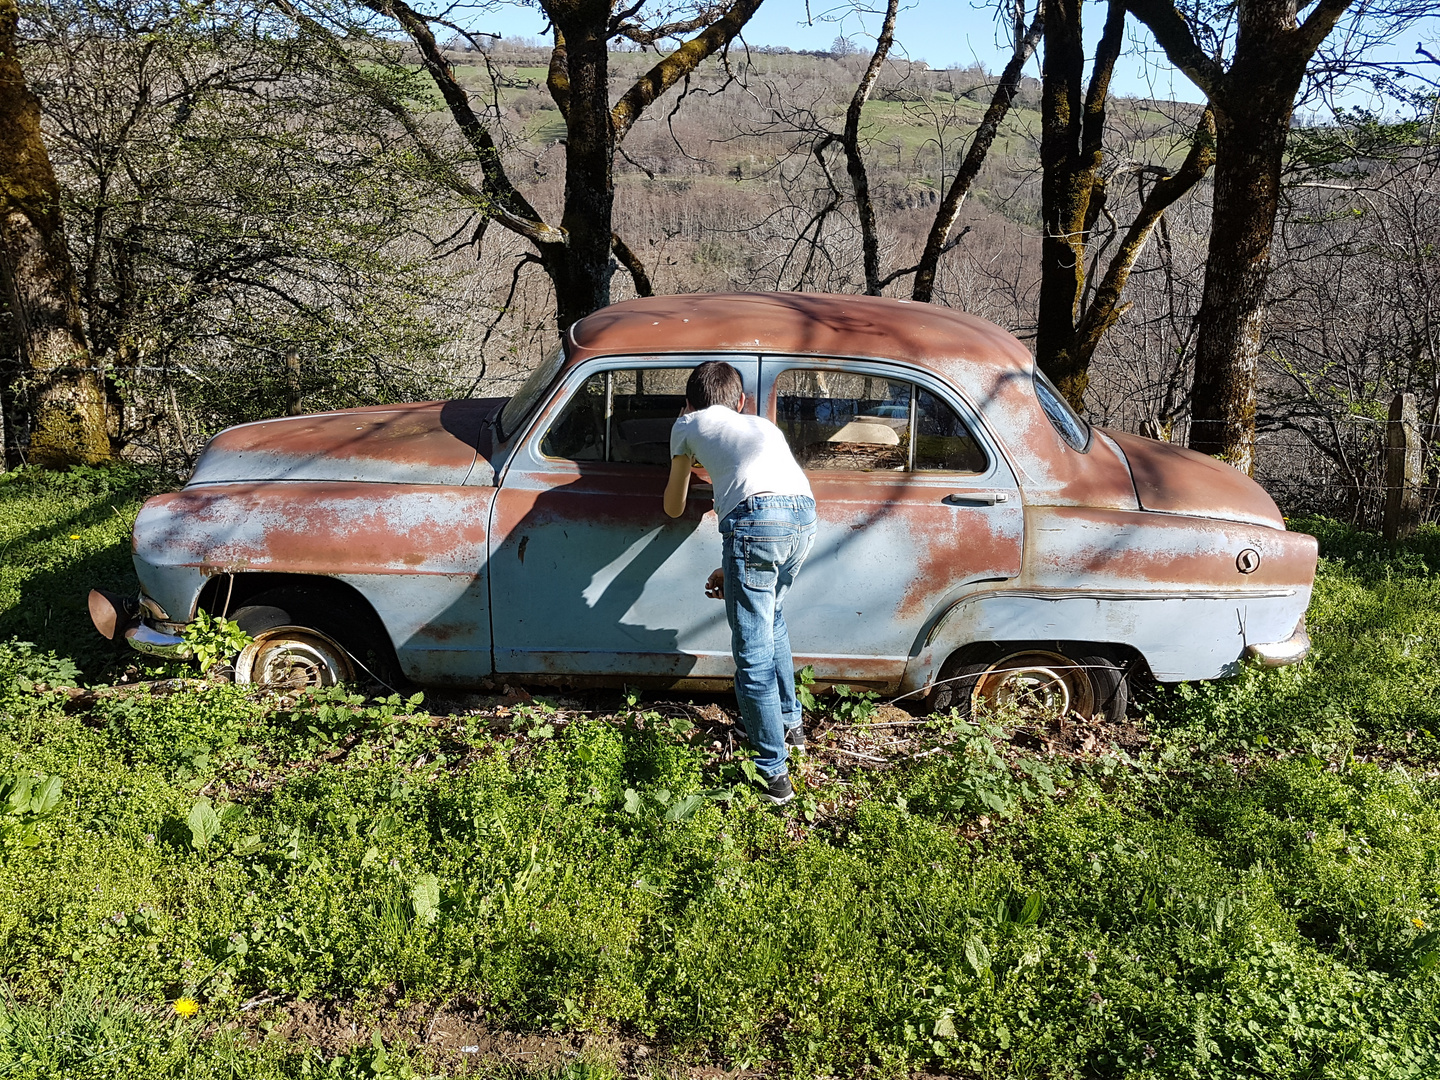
(68, 426)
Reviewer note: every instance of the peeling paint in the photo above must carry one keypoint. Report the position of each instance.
(483, 558)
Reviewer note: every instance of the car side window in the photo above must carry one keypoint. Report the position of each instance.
(839, 420)
(623, 415)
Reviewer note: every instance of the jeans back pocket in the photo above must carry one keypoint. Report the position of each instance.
(765, 550)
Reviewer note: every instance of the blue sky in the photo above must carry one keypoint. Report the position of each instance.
(941, 32)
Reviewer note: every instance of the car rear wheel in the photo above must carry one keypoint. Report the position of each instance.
(301, 640)
(1034, 682)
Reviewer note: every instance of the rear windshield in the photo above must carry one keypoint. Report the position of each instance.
(1065, 420)
(519, 406)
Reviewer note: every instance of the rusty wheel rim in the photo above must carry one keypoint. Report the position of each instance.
(1035, 684)
(292, 658)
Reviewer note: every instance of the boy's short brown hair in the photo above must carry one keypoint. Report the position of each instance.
(714, 383)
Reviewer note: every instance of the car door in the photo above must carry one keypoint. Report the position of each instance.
(588, 576)
(914, 504)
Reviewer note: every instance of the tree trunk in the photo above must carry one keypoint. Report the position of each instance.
(1249, 148)
(1062, 202)
(9, 387)
(855, 163)
(39, 282)
(1253, 98)
(1072, 192)
(583, 283)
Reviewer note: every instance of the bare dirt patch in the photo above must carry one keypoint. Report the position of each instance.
(457, 1038)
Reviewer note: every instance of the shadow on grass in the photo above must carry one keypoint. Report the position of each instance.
(46, 572)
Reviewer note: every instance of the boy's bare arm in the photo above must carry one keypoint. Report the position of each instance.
(677, 489)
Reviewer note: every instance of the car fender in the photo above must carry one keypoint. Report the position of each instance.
(1180, 637)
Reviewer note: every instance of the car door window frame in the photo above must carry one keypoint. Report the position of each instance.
(999, 469)
(747, 364)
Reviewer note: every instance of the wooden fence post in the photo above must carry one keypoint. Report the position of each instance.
(1402, 468)
(292, 384)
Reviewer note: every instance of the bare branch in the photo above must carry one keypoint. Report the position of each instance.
(1106, 308)
(631, 262)
(678, 64)
(1173, 33)
(1318, 24)
(949, 210)
(1106, 54)
(952, 243)
(558, 78)
(526, 257)
(506, 204)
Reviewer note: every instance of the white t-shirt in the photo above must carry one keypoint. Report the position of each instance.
(744, 455)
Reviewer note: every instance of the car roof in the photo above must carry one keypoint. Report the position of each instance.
(970, 351)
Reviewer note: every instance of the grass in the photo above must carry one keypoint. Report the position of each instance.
(1253, 892)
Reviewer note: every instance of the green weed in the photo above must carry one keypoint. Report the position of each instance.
(212, 639)
(1255, 894)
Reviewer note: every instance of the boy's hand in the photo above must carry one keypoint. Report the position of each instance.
(715, 585)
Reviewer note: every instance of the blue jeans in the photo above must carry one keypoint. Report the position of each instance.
(766, 538)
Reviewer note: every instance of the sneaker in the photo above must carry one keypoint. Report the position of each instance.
(795, 738)
(775, 790)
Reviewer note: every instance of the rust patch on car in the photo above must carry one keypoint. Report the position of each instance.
(981, 546)
(317, 528)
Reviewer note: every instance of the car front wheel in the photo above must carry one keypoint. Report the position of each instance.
(298, 641)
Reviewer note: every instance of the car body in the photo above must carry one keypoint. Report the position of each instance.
(964, 512)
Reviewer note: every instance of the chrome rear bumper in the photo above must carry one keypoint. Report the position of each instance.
(1279, 653)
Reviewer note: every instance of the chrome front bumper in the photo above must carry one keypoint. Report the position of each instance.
(148, 640)
(118, 616)
(1279, 653)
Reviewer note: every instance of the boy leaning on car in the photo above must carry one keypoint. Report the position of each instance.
(767, 524)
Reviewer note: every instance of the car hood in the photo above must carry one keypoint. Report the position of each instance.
(433, 442)
(1170, 479)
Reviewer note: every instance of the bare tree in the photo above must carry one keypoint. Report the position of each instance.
(1073, 313)
(813, 131)
(38, 280)
(576, 254)
(1253, 96)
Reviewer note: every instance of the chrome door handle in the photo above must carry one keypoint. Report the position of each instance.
(976, 498)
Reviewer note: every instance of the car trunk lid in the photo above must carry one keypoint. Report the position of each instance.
(1170, 479)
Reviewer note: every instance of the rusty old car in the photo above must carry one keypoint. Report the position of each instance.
(978, 540)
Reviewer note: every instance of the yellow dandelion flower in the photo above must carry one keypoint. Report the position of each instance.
(74, 536)
(1419, 922)
(187, 1006)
